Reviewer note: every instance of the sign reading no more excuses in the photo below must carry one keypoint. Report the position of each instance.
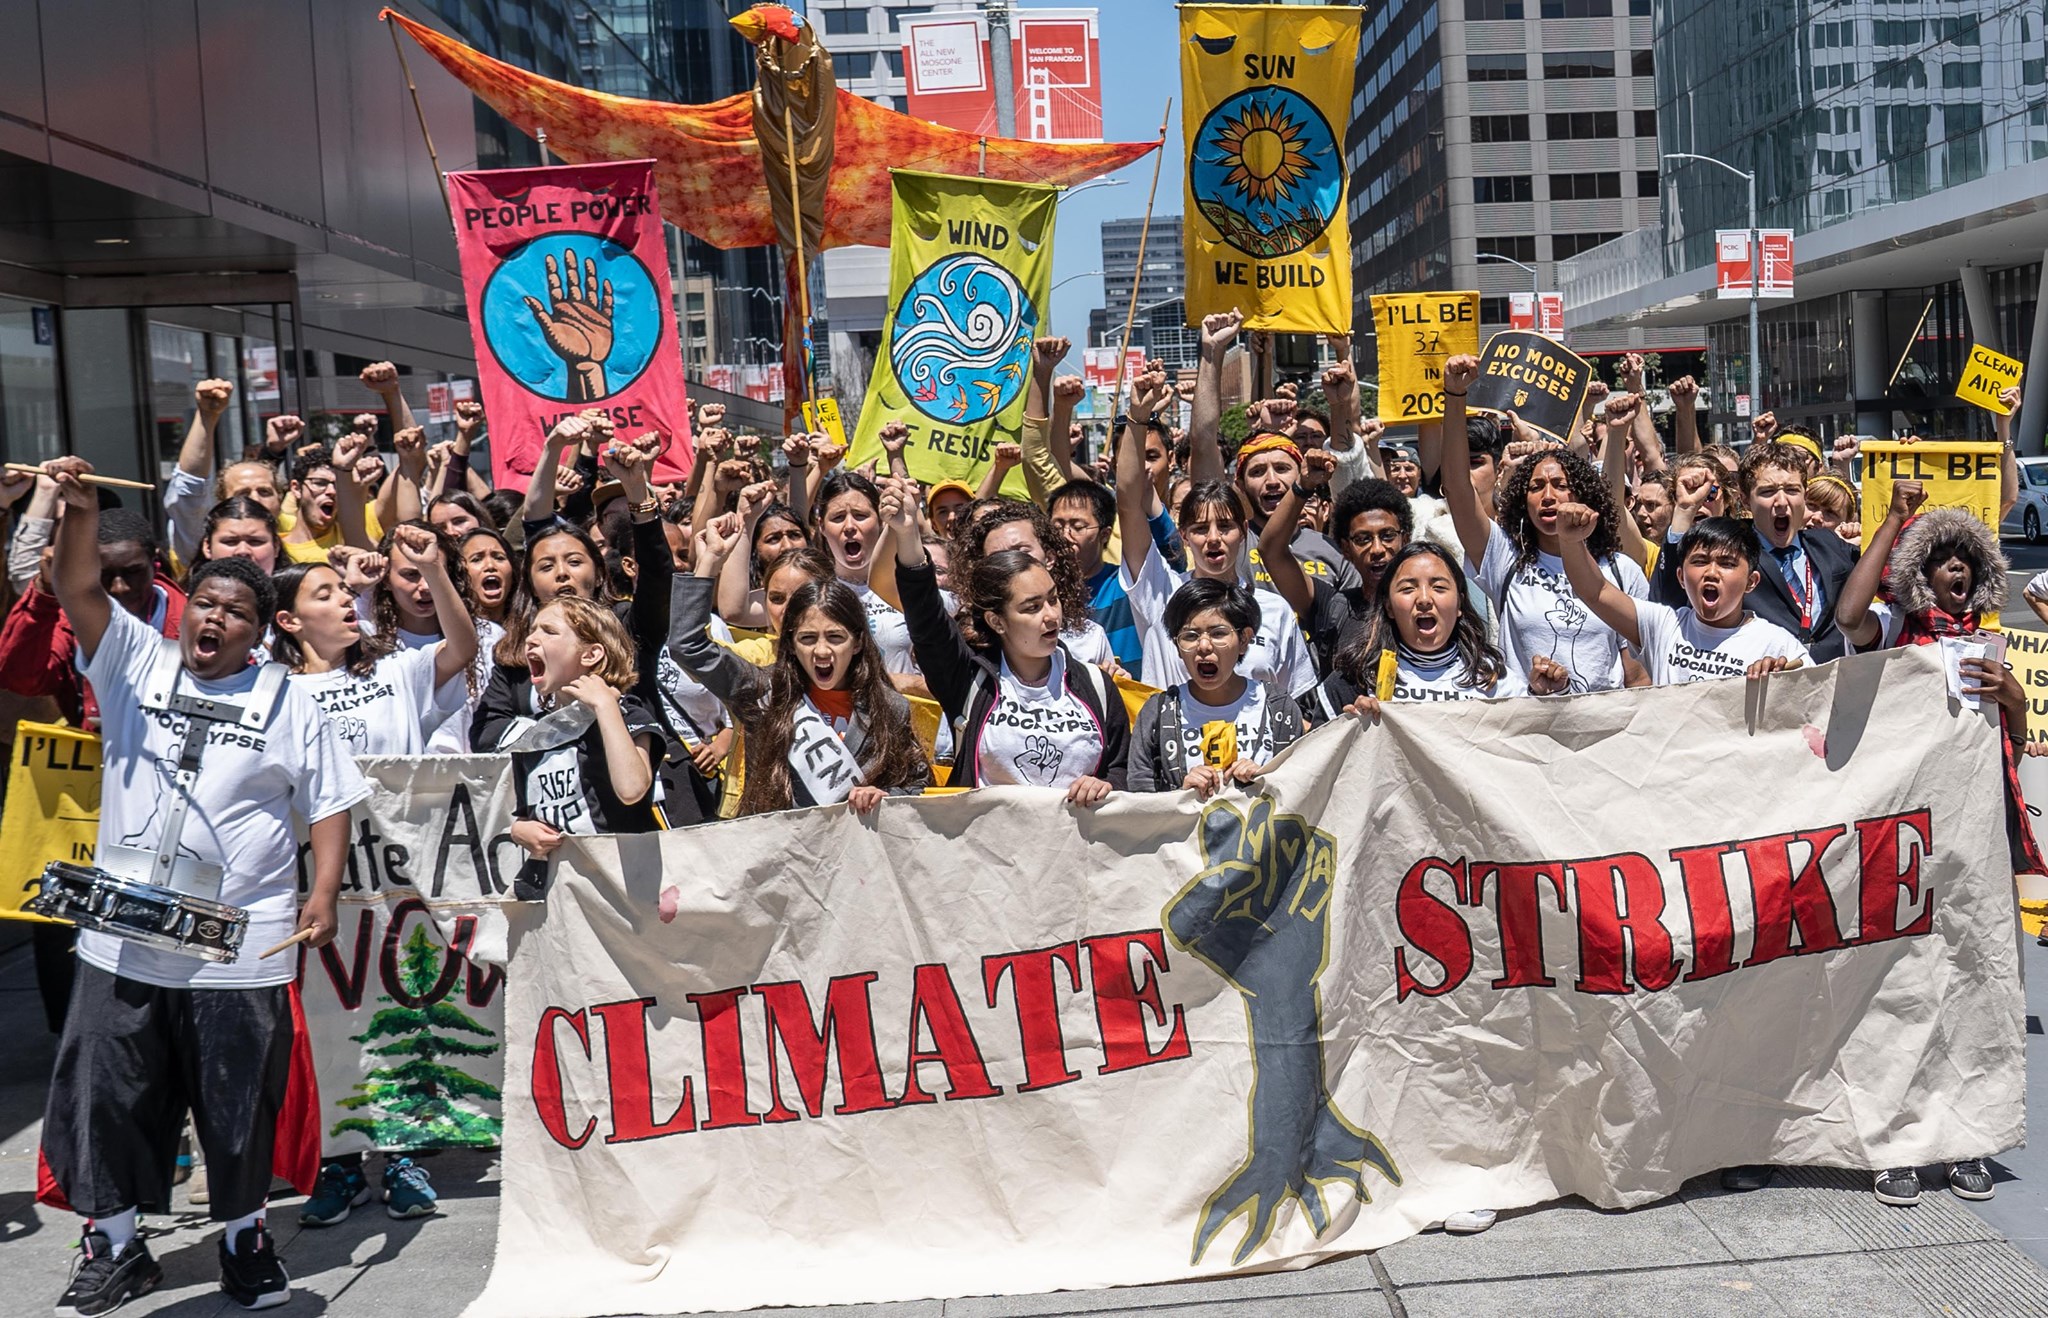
(1535, 378)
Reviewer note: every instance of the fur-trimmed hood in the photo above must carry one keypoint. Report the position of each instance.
(1953, 530)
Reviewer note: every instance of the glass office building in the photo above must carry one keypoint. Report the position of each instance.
(1905, 145)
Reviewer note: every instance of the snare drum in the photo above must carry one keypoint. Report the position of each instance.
(140, 912)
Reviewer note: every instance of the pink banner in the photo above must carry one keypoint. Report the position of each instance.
(565, 271)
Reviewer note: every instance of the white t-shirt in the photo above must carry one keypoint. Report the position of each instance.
(1087, 642)
(1541, 614)
(455, 703)
(1277, 653)
(250, 787)
(1038, 736)
(386, 713)
(892, 632)
(694, 713)
(1890, 623)
(1677, 647)
(1438, 676)
(1247, 714)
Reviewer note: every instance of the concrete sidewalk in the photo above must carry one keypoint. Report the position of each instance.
(1815, 1243)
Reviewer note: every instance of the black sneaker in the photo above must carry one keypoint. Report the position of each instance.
(252, 1276)
(1970, 1179)
(102, 1281)
(1899, 1187)
(1741, 1180)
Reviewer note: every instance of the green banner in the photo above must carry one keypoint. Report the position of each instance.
(970, 280)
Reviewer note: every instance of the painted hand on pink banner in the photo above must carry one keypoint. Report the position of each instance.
(578, 328)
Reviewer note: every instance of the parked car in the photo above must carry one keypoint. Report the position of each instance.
(2029, 517)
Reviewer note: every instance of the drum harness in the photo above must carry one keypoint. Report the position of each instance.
(202, 712)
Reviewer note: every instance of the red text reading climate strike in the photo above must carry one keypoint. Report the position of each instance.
(800, 1047)
(1794, 910)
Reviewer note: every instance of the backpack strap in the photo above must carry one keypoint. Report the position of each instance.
(1173, 742)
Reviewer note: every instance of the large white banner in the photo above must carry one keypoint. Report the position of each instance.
(405, 1008)
(1476, 956)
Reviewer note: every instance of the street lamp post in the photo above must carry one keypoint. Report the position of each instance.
(1535, 278)
(1756, 397)
(1079, 188)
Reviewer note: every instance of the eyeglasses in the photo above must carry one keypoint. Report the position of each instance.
(1074, 525)
(318, 482)
(1367, 539)
(1187, 638)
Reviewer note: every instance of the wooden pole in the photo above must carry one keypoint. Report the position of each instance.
(803, 264)
(1144, 232)
(421, 114)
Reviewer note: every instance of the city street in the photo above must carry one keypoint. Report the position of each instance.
(1814, 1243)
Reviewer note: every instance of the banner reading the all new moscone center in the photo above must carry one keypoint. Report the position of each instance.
(1479, 956)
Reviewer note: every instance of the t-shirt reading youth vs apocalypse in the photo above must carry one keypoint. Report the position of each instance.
(1678, 647)
(250, 785)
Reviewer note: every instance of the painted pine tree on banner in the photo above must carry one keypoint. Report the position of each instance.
(417, 1102)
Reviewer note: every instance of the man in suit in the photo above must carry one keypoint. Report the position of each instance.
(1802, 572)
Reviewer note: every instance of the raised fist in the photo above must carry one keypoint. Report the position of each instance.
(212, 398)
(1069, 389)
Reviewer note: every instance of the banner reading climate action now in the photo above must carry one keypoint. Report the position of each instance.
(565, 271)
(989, 1044)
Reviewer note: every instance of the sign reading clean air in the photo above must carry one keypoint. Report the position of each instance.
(1986, 374)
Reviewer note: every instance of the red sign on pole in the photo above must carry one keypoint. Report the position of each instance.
(1731, 263)
(1541, 312)
(1056, 62)
(566, 274)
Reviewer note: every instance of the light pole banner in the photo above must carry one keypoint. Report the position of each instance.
(1265, 101)
(988, 1043)
(565, 271)
(970, 282)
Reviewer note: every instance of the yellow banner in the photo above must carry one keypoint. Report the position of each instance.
(53, 808)
(1415, 332)
(822, 417)
(1265, 101)
(1987, 373)
(970, 285)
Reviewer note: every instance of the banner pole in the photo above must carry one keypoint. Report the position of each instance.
(1123, 347)
(421, 114)
(803, 272)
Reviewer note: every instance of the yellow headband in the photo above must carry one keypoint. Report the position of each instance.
(1266, 443)
(1802, 441)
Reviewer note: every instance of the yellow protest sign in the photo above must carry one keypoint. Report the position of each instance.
(822, 417)
(1415, 332)
(1265, 101)
(53, 808)
(2027, 651)
(1986, 374)
(1957, 474)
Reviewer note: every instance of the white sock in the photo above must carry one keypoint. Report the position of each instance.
(241, 1224)
(119, 1228)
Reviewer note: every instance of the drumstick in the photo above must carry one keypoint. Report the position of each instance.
(299, 937)
(30, 469)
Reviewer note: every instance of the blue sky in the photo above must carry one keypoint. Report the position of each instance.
(1141, 67)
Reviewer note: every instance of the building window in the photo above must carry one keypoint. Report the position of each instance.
(1639, 8)
(1646, 183)
(849, 64)
(1483, 11)
(1565, 245)
(1962, 75)
(1577, 8)
(1585, 187)
(1641, 65)
(846, 22)
(1503, 187)
(1900, 75)
(1581, 125)
(894, 59)
(1578, 64)
(1493, 310)
(896, 16)
(1497, 68)
(1500, 127)
(1520, 247)
(1961, 31)
(1646, 123)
